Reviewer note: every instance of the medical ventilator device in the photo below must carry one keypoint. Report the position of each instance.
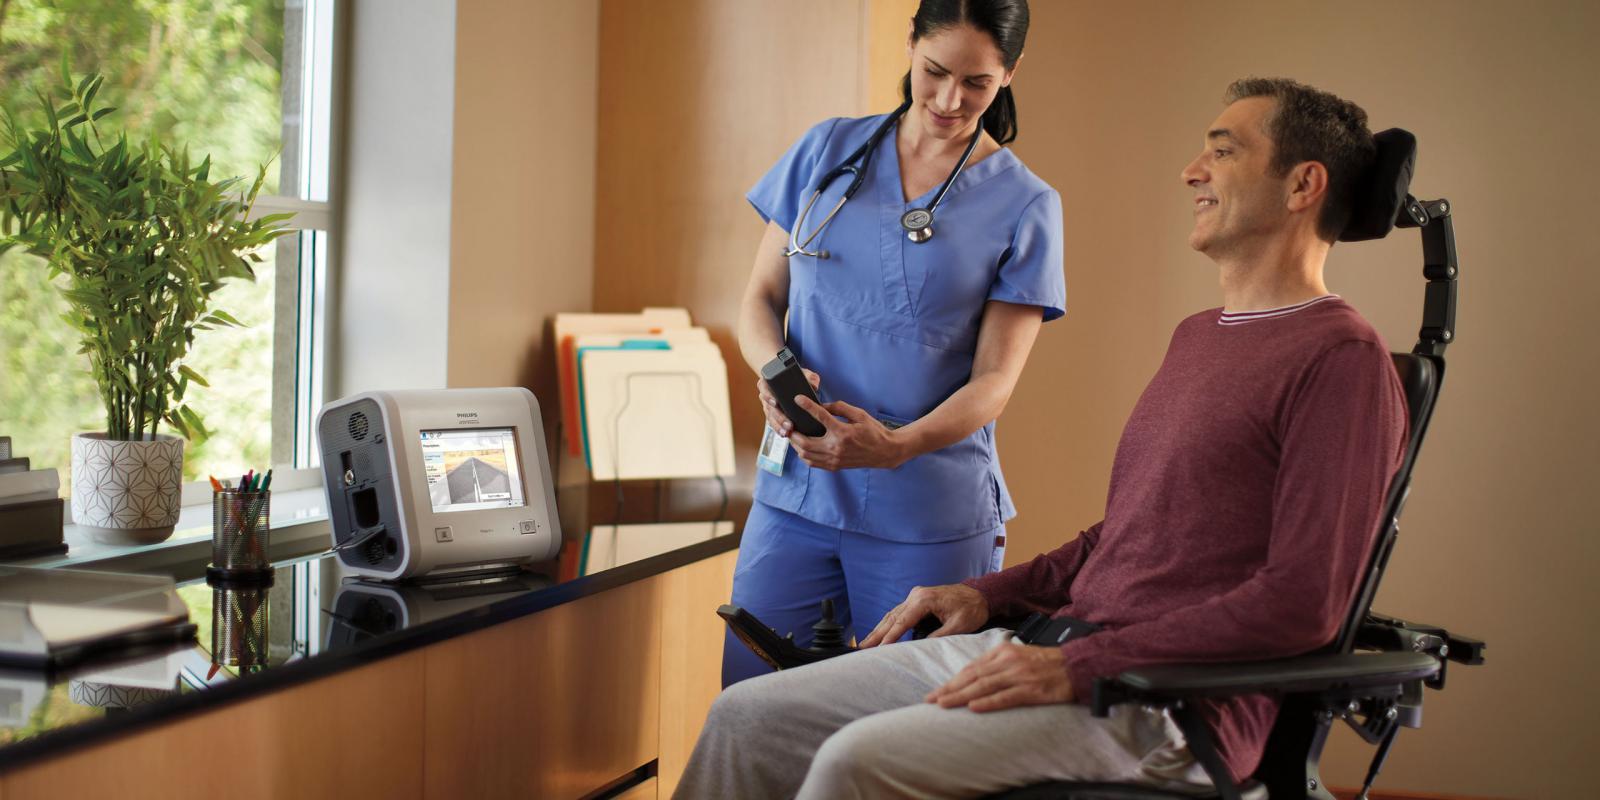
(438, 482)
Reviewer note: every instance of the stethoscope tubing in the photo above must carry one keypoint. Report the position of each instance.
(858, 172)
(960, 165)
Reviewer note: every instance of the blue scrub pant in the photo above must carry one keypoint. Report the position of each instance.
(788, 565)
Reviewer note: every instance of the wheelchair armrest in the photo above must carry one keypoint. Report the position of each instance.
(1382, 632)
(780, 652)
(1166, 685)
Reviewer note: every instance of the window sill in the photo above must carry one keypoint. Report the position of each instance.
(299, 526)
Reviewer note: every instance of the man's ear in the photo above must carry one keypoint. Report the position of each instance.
(1308, 185)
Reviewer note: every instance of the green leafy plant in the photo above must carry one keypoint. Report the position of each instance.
(144, 239)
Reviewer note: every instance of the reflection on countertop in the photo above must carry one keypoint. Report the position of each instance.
(310, 614)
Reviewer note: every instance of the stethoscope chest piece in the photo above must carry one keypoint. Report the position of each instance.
(918, 223)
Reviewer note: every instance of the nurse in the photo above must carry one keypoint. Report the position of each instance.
(913, 328)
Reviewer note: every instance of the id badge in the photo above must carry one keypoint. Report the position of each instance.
(774, 449)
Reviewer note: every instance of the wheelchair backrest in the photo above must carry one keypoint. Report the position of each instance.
(1420, 379)
(1385, 204)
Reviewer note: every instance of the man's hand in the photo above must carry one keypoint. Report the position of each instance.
(1008, 676)
(960, 608)
(859, 441)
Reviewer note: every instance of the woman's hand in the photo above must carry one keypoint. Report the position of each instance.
(776, 419)
(858, 441)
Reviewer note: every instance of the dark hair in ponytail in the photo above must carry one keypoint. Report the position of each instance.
(1006, 21)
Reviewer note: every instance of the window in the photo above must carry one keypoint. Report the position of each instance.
(247, 82)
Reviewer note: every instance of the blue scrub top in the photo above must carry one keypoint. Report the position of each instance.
(892, 325)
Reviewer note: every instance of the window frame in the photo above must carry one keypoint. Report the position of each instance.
(302, 338)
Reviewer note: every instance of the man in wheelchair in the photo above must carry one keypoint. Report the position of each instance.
(1239, 523)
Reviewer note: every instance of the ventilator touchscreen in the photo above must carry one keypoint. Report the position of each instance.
(472, 469)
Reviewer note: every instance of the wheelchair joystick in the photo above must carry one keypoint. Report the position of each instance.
(827, 635)
(781, 652)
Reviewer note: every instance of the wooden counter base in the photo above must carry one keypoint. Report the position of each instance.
(555, 704)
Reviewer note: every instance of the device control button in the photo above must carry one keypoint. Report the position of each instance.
(443, 534)
(528, 526)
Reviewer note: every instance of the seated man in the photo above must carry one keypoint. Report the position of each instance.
(1243, 500)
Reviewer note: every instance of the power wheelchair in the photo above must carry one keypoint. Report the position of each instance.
(1372, 675)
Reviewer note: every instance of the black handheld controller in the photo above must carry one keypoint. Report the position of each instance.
(782, 652)
(784, 377)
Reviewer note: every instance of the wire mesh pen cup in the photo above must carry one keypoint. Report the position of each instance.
(239, 626)
(240, 522)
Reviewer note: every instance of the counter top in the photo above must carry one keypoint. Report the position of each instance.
(315, 620)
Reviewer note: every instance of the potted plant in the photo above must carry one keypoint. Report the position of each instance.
(138, 239)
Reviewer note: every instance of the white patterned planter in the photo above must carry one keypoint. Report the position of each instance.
(126, 492)
(110, 695)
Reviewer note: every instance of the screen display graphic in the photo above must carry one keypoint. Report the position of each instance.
(473, 469)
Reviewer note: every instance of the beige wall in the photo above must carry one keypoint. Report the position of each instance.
(888, 22)
(693, 105)
(522, 203)
(1498, 539)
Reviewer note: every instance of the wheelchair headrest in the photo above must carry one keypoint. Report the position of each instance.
(1384, 192)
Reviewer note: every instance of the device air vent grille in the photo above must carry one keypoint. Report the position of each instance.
(374, 551)
(358, 426)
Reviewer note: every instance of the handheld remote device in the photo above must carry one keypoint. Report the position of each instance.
(783, 375)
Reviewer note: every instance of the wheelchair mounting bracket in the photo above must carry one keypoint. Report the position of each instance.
(1439, 267)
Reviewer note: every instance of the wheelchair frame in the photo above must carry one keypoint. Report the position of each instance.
(1376, 694)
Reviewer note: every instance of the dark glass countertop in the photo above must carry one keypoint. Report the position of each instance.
(315, 620)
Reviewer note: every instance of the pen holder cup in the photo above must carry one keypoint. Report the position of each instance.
(239, 528)
(239, 625)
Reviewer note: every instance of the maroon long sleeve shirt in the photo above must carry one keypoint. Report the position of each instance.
(1244, 497)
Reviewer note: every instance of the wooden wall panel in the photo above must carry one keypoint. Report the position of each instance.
(353, 735)
(522, 195)
(888, 22)
(574, 706)
(698, 98)
(648, 790)
(691, 657)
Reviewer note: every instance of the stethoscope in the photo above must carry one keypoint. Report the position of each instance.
(918, 222)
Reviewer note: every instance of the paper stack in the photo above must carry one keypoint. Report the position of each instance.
(30, 508)
(644, 396)
(58, 617)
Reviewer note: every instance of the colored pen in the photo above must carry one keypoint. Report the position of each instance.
(268, 482)
(216, 485)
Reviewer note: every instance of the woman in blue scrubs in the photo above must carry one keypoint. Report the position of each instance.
(913, 346)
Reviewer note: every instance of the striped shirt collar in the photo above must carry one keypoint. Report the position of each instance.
(1242, 317)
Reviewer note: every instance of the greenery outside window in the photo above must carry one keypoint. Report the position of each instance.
(247, 82)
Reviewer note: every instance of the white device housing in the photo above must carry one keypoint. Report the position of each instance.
(386, 523)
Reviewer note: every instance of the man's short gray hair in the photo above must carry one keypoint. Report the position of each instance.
(1312, 125)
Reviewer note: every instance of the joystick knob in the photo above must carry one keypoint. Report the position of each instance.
(826, 634)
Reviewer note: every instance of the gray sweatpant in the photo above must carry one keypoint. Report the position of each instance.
(856, 726)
